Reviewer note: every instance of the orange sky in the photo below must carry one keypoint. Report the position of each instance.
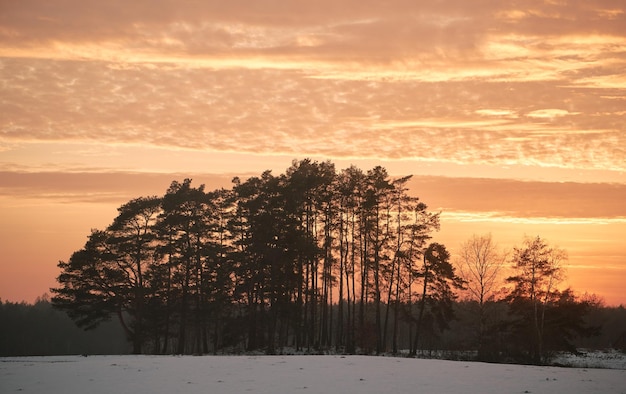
(513, 120)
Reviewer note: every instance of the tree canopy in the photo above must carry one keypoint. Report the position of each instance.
(310, 258)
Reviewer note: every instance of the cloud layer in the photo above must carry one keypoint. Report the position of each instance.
(450, 81)
(490, 199)
(519, 199)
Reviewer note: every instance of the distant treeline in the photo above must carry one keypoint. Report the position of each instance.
(311, 259)
(40, 329)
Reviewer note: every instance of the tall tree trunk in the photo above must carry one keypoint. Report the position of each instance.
(300, 310)
(339, 340)
(396, 313)
(389, 301)
(420, 316)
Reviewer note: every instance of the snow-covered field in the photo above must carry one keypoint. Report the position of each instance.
(293, 374)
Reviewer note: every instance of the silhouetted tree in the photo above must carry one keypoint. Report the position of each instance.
(539, 269)
(270, 245)
(188, 223)
(480, 263)
(310, 198)
(107, 276)
(350, 190)
(379, 238)
(414, 224)
(565, 322)
(245, 269)
(438, 281)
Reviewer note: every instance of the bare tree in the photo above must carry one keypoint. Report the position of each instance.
(480, 263)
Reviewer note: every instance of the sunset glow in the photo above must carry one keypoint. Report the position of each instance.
(511, 117)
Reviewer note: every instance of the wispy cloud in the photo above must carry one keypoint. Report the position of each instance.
(92, 187)
(506, 218)
(550, 113)
(495, 200)
(499, 199)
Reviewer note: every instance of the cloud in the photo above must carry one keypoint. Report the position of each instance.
(487, 199)
(497, 112)
(285, 112)
(93, 187)
(463, 198)
(549, 113)
(351, 40)
(351, 32)
(506, 218)
(448, 81)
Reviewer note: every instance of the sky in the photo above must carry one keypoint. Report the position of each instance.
(510, 115)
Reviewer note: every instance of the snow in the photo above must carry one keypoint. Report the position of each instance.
(293, 374)
(608, 358)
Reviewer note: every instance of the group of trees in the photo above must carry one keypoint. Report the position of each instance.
(532, 318)
(312, 259)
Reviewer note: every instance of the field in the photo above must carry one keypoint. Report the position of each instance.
(293, 374)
